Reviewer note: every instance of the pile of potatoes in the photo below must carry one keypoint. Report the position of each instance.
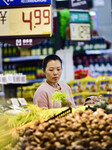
(79, 130)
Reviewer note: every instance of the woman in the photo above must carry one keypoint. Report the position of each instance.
(52, 67)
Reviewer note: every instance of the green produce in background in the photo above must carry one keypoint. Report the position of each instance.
(33, 113)
(64, 19)
(5, 132)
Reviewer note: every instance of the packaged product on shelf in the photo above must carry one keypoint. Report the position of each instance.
(27, 93)
(79, 98)
(82, 73)
(25, 52)
(91, 84)
(76, 85)
(104, 83)
(106, 96)
(36, 85)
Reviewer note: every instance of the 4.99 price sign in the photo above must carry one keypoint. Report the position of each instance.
(25, 21)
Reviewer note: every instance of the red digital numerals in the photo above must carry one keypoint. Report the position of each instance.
(38, 15)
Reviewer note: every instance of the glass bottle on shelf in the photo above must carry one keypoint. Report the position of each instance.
(38, 49)
(45, 47)
(50, 47)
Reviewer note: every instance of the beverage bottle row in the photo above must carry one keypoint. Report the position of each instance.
(96, 43)
(9, 50)
(9, 69)
(31, 70)
(100, 64)
(44, 48)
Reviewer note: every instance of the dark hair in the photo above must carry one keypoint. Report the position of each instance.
(49, 58)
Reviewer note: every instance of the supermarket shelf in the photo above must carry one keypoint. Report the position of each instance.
(25, 58)
(36, 80)
(95, 52)
(28, 82)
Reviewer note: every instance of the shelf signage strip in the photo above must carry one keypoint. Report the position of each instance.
(79, 17)
(23, 2)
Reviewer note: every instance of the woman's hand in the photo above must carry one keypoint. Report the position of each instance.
(69, 104)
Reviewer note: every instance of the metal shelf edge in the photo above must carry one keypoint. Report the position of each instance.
(25, 58)
(93, 52)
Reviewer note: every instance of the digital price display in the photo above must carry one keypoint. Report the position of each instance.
(25, 21)
(80, 32)
(80, 29)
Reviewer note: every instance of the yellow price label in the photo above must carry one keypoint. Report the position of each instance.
(6, 59)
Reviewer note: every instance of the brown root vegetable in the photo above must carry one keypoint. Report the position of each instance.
(96, 132)
(37, 139)
(51, 128)
(38, 134)
(41, 128)
(107, 138)
(108, 128)
(94, 126)
(80, 130)
(28, 131)
(94, 145)
(101, 127)
(47, 145)
(103, 133)
(53, 140)
(62, 129)
(95, 138)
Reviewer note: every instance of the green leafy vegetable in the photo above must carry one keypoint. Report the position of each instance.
(57, 96)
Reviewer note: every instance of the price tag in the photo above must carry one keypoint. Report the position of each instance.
(6, 59)
(4, 79)
(18, 78)
(80, 32)
(23, 79)
(9, 78)
(27, 21)
(14, 79)
(22, 101)
(14, 102)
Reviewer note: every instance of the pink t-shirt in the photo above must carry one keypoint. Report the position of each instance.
(44, 92)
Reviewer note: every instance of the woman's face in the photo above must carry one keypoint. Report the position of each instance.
(53, 71)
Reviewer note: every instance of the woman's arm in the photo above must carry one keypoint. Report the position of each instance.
(40, 98)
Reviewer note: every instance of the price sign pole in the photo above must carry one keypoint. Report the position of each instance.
(25, 25)
(80, 29)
